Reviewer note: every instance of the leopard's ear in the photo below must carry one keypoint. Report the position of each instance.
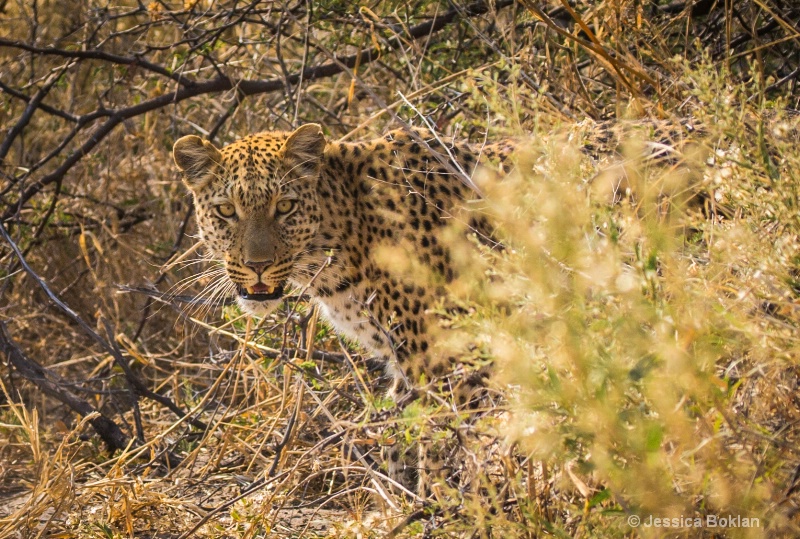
(303, 150)
(195, 157)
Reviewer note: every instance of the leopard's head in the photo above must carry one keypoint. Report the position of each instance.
(256, 206)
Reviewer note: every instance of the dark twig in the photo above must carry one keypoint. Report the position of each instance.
(287, 436)
(133, 387)
(33, 105)
(134, 60)
(410, 519)
(177, 298)
(47, 108)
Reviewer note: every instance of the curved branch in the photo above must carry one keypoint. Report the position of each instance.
(135, 59)
(33, 104)
(4, 88)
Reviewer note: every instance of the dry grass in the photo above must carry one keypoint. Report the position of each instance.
(642, 320)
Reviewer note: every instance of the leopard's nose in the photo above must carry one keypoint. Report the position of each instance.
(259, 266)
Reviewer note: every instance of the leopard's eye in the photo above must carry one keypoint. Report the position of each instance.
(226, 210)
(285, 206)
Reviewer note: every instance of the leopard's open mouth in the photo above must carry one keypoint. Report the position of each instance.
(262, 292)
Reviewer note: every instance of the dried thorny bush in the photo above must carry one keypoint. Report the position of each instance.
(641, 315)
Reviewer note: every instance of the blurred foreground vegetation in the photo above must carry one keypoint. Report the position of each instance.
(642, 317)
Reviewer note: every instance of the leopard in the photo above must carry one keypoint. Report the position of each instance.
(292, 210)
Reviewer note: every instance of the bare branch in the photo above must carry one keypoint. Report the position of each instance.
(135, 60)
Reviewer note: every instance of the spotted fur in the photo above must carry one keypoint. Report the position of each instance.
(349, 202)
